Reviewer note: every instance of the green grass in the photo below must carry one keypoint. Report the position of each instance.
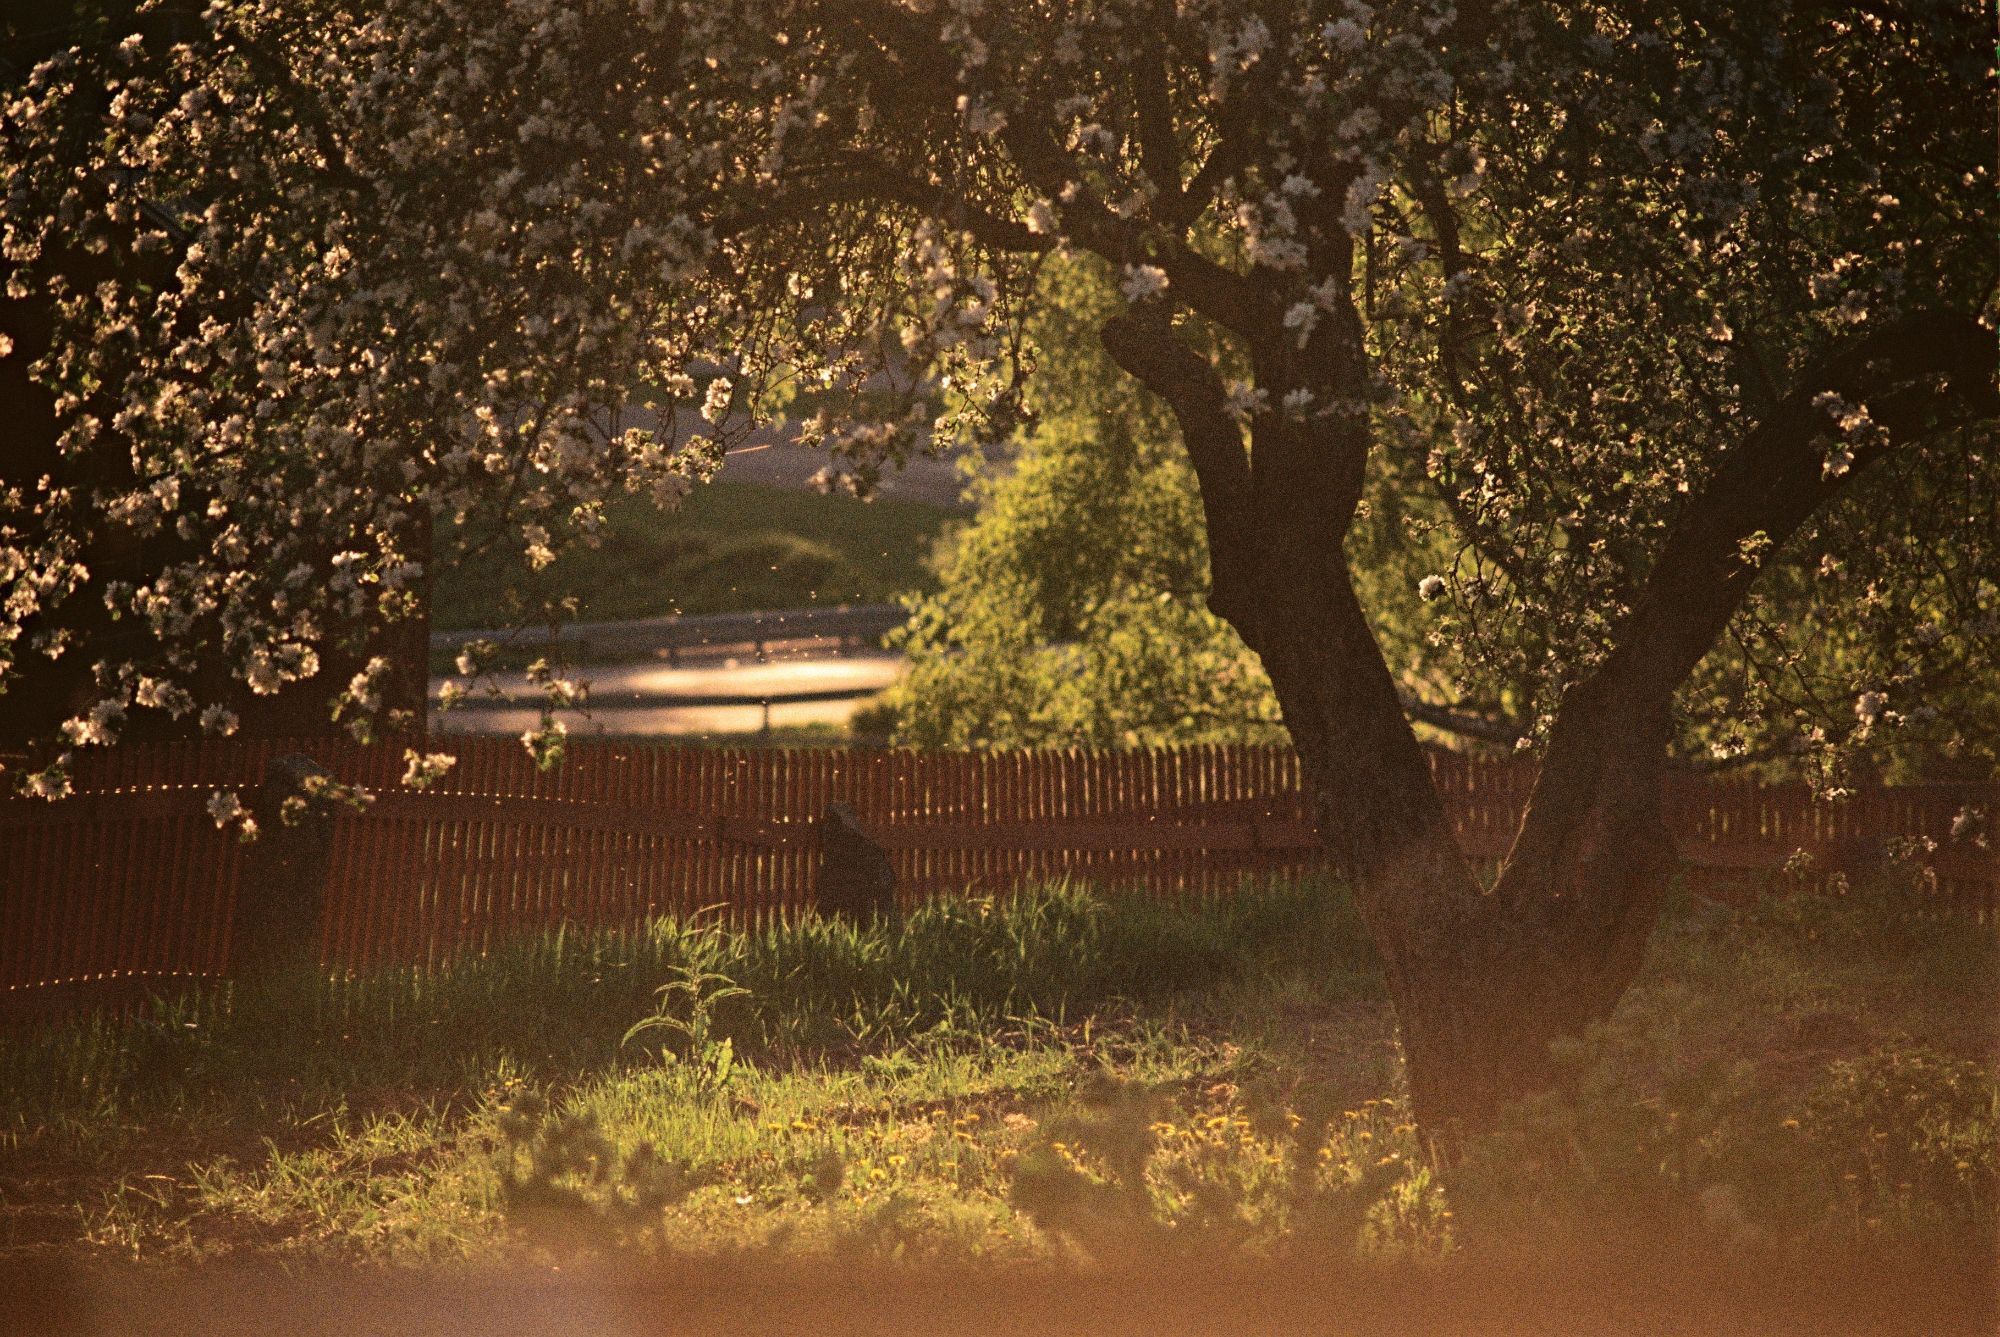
(1057, 1075)
(730, 547)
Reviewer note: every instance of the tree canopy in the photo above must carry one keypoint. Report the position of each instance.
(1637, 304)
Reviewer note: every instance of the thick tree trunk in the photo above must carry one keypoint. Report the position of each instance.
(1482, 980)
(1485, 979)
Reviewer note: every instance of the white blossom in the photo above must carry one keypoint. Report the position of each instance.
(421, 770)
(1142, 281)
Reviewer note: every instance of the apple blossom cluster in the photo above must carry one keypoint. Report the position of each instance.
(361, 276)
(375, 273)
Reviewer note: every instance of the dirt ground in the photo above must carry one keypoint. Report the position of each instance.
(1634, 1293)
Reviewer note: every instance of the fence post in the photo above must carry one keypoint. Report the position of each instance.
(282, 896)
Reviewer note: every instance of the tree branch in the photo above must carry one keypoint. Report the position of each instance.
(1145, 346)
(867, 182)
(1906, 372)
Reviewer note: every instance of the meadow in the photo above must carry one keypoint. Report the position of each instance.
(1061, 1078)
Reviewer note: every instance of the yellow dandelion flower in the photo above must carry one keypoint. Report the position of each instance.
(878, 1173)
(1364, 1136)
(899, 1159)
(1218, 1121)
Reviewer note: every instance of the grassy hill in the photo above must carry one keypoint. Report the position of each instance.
(730, 547)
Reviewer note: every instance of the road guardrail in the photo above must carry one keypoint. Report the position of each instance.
(670, 637)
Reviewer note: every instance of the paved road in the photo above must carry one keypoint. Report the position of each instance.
(640, 699)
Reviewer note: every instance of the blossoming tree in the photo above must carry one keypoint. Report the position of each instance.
(1638, 293)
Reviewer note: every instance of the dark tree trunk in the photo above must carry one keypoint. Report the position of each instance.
(1482, 980)
(1485, 979)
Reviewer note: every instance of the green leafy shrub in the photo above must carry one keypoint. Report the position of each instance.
(1909, 1135)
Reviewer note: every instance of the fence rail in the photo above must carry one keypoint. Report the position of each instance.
(131, 881)
(851, 626)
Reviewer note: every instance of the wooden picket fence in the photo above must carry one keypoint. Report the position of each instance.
(129, 883)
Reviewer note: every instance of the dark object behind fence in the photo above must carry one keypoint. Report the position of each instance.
(282, 899)
(856, 879)
(129, 885)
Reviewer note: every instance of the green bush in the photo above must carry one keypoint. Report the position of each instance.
(1909, 1135)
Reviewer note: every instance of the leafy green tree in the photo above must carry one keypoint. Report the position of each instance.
(1072, 609)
